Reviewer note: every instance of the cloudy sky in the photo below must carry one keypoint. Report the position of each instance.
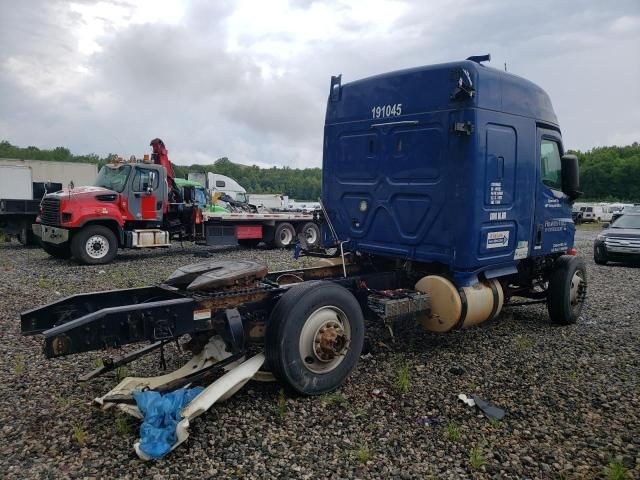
(249, 79)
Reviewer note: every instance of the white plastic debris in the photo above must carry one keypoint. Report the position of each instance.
(467, 400)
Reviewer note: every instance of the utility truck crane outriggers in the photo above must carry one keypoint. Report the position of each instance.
(446, 193)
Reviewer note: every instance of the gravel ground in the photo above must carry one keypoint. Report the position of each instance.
(571, 394)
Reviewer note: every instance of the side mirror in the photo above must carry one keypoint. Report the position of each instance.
(570, 176)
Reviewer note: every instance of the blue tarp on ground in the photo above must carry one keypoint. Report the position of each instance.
(161, 415)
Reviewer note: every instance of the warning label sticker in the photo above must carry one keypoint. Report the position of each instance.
(199, 315)
(522, 250)
(498, 239)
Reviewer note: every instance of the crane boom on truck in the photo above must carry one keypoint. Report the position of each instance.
(446, 191)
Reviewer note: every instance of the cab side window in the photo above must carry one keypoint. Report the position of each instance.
(550, 164)
(145, 179)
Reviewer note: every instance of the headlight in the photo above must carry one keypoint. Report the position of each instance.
(601, 237)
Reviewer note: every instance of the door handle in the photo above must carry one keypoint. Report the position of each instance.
(538, 239)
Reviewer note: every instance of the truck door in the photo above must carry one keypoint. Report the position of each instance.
(146, 194)
(553, 226)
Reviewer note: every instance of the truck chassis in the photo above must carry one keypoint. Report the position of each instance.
(303, 327)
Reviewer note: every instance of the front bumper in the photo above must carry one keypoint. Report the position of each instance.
(615, 251)
(50, 234)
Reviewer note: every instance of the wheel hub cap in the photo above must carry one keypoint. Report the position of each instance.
(577, 290)
(97, 246)
(324, 339)
(330, 342)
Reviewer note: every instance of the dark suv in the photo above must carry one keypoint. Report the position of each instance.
(620, 241)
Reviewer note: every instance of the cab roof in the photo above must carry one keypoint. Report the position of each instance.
(430, 88)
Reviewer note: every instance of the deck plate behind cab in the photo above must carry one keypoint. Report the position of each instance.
(215, 274)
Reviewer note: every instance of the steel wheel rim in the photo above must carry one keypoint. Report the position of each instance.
(286, 236)
(97, 246)
(327, 317)
(577, 291)
(312, 235)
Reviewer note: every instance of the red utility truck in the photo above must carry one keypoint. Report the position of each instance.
(136, 204)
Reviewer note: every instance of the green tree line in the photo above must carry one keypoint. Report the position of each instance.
(606, 173)
(301, 184)
(610, 173)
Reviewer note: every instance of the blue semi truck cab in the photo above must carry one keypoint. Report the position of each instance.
(455, 169)
(447, 192)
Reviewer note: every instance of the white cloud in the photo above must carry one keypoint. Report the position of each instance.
(249, 80)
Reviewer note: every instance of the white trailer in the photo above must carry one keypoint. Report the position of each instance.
(23, 183)
(15, 182)
(57, 172)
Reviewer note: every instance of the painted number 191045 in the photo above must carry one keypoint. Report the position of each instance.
(382, 111)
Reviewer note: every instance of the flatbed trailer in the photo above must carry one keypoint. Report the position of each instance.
(249, 229)
(16, 217)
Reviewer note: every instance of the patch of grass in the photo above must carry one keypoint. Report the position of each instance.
(615, 470)
(476, 458)
(63, 401)
(79, 435)
(45, 283)
(7, 267)
(282, 403)
(589, 226)
(122, 373)
(360, 454)
(20, 366)
(452, 432)
(333, 398)
(523, 343)
(122, 425)
(495, 423)
(403, 379)
(98, 362)
(572, 375)
(472, 387)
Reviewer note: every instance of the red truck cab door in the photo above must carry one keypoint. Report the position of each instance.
(147, 193)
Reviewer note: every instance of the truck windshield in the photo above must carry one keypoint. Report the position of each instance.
(241, 197)
(627, 221)
(113, 178)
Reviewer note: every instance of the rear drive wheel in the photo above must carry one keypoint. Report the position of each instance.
(284, 235)
(57, 251)
(94, 245)
(311, 233)
(314, 337)
(599, 256)
(567, 290)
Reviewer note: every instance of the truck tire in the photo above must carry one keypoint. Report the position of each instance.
(94, 245)
(314, 337)
(567, 290)
(312, 234)
(283, 235)
(600, 257)
(57, 251)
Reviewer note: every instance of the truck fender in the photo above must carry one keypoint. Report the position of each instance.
(109, 222)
